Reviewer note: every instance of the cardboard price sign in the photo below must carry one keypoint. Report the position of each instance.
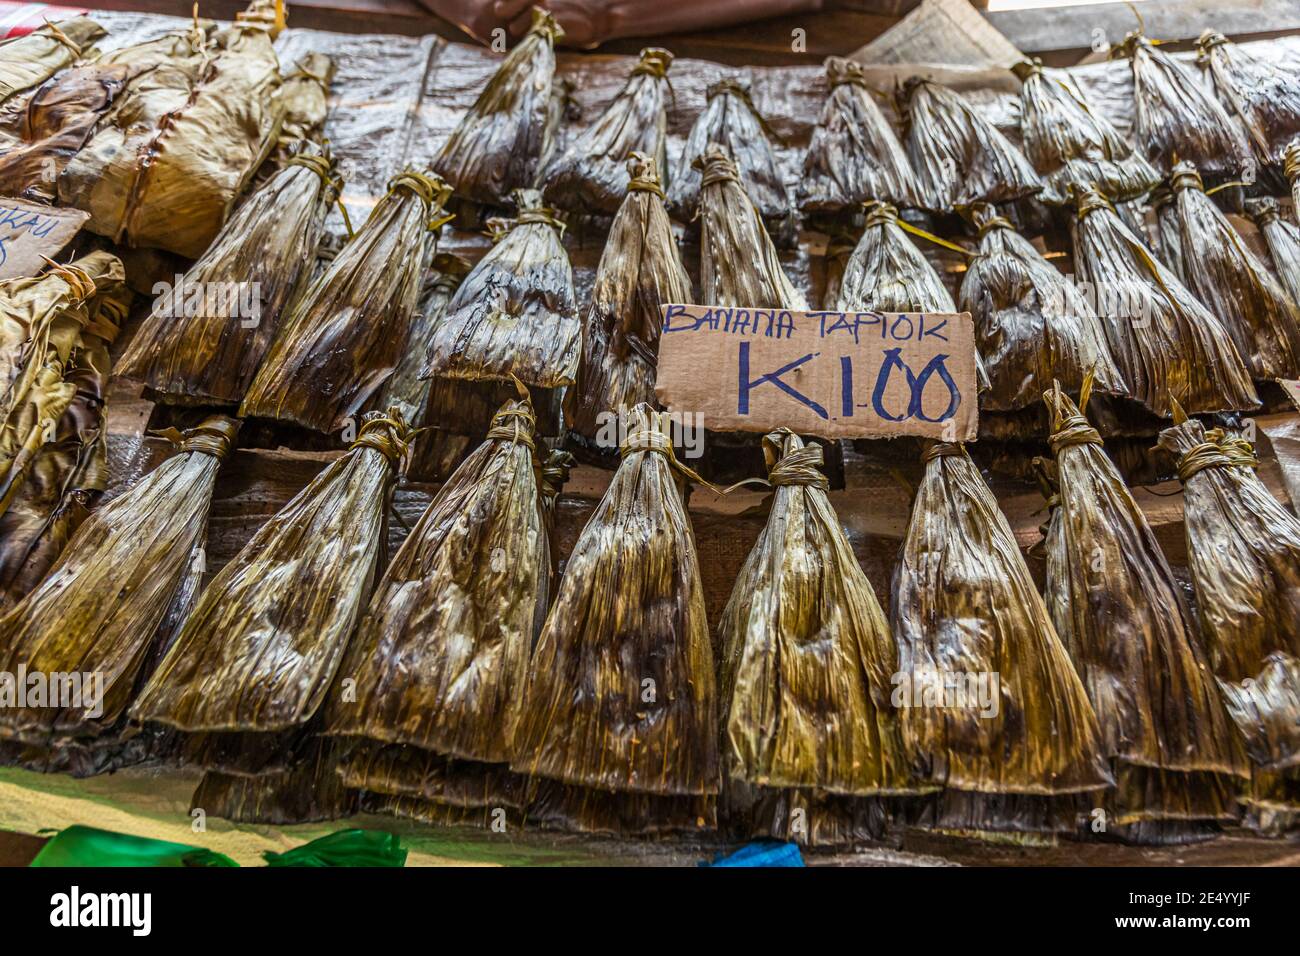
(832, 374)
(29, 232)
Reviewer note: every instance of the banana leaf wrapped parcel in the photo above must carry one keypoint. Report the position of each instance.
(304, 96)
(1123, 617)
(1168, 346)
(854, 155)
(994, 699)
(887, 273)
(591, 174)
(1283, 240)
(499, 144)
(1265, 97)
(342, 337)
(1234, 284)
(1072, 146)
(29, 60)
(207, 334)
(1165, 232)
(621, 710)
(405, 388)
(640, 270)
(731, 121)
(806, 673)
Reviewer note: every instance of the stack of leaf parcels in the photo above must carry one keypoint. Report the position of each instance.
(440, 659)
(1070, 145)
(1123, 618)
(807, 662)
(730, 120)
(591, 175)
(1244, 554)
(112, 604)
(1283, 239)
(621, 711)
(957, 155)
(200, 344)
(739, 266)
(854, 155)
(1168, 346)
(1234, 284)
(1032, 324)
(1177, 118)
(340, 340)
(994, 699)
(1265, 97)
(640, 270)
(253, 663)
(29, 60)
(501, 140)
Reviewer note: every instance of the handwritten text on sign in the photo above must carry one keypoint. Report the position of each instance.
(29, 232)
(833, 374)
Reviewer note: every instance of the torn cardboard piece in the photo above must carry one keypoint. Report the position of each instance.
(30, 233)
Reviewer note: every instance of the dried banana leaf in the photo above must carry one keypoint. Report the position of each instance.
(1283, 239)
(1244, 555)
(621, 695)
(1167, 345)
(342, 337)
(30, 60)
(397, 771)
(1265, 97)
(854, 155)
(967, 615)
(1032, 325)
(555, 806)
(262, 646)
(731, 121)
(1291, 169)
(887, 273)
(957, 156)
(500, 141)
(308, 792)
(738, 263)
(118, 589)
(1234, 284)
(1165, 233)
(1177, 118)
(1070, 145)
(591, 175)
(209, 330)
(304, 96)
(1123, 618)
(639, 271)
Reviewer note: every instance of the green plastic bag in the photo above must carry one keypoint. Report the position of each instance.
(87, 846)
(344, 848)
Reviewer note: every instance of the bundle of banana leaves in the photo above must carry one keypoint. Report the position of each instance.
(306, 790)
(29, 60)
(1244, 555)
(114, 600)
(807, 662)
(499, 144)
(1032, 324)
(1283, 240)
(640, 270)
(342, 337)
(1165, 233)
(591, 175)
(731, 121)
(207, 334)
(620, 712)
(440, 659)
(1234, 284)
(887, 273)
(1265, 97)
(854, 155)
(1122, 616)
(1177, 118)
(993, 698)
(1167, 345)
(1070, 145)
(167, 162)
(958, 156)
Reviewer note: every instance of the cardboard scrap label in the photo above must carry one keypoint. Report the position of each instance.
(831, 374)
(29, 232)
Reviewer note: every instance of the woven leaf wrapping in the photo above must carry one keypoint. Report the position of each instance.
(1283, 239)
(1266, 98)
(1070, 145)
(591, 175)
(957, 156)
(1176, 118)
(1234, 284)
(1032, 325)
(198, 345)
(29, 60)
(340, 340)
(1122, 616)
(499, 143)
(110, 602)
(1244, 554)
(1167, 345)
(640, 270)
(853, 155)
(738, 263)
(731, 121)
